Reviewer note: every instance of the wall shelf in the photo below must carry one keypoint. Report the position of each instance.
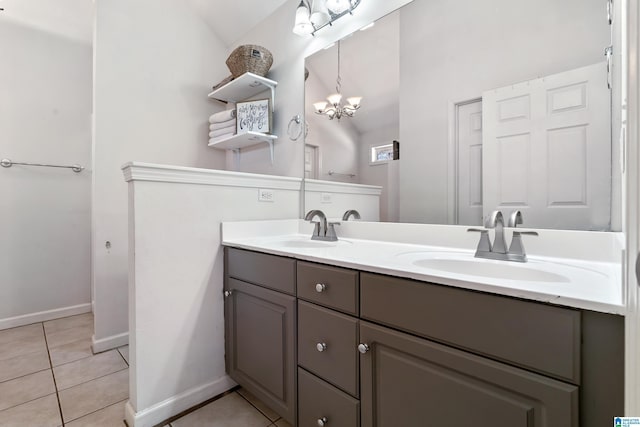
(244, 87)
(243, 140)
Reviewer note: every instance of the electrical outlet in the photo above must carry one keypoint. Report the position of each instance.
(325, 198)
(265, 195)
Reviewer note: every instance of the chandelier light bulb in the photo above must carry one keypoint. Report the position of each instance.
(338, 6)
(320, 106)
(354, 101)
(334, 99)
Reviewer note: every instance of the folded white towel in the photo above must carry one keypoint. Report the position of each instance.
(225, 131)
(220, 138)
(222, 116)
(224, 125)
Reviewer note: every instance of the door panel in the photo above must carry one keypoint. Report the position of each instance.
(547, 150)
(444, 386)
(469, 148)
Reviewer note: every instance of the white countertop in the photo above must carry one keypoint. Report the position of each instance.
(572, 277)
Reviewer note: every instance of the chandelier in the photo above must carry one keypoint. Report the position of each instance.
(311, 15)
(334, 108)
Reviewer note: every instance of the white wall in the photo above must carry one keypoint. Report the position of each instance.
(378, 174)
(289, 51)
(155, 62)
(45, 112)
(334, 198)
(440, 63)
(176, 267)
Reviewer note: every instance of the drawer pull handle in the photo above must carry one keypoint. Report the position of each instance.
(322, 421)
(363, 348)
(320, 287)
(227, 294)
(321, 347)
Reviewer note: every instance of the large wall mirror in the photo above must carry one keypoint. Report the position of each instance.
(471, 106)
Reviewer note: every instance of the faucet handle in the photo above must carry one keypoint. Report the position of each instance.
(331, 232)
(516, 248)
(484, 245)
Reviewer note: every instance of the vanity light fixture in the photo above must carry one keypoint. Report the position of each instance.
(336, 109)
(311, 15)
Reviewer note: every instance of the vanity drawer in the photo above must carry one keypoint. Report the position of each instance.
(337, 361)
(270, 271)
(533, 335)
(338, 286)
(318, 399)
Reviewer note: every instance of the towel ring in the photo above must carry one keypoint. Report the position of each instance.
(297, 121)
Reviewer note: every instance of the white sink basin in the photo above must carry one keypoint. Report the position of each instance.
(504, 270)
(466, 264)
(297, 242)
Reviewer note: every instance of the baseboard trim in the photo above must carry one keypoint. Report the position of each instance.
(43, 316)
(176, 404)
(108, 343)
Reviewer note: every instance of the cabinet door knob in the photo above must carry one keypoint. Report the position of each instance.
(322, 421)
(227, 293)
(363, 348)
(320, 287)
(321, 347)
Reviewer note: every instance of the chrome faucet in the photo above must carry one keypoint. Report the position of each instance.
(498, 250)
(322, 230)
(351, 212)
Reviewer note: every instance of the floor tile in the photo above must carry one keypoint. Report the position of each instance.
(94, 395)
(70, 352)
(87, 369)
(19, 366)
(66, 336)
(20, 341)
(24, 389)
(228, 411)
(266, 411)
(111, 416)
(43, 412)
(69, 322)
(124, 351)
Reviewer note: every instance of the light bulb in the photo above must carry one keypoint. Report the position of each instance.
(354, 101)
(302, 24)
(320, 106)
(319, 14)
(334, 99)
(338, 6)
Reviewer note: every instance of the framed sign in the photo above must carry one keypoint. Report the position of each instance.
(253, 116)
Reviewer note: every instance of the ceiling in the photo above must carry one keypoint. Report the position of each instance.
(74, 18)
(230, 20)
(373, 74)
(67, 18)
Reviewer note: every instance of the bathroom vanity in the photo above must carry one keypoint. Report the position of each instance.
(322, 344)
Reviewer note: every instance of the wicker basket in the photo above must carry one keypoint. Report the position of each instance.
(249, 58)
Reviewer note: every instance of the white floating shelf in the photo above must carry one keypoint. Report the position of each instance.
(243, 87)
(243, 140)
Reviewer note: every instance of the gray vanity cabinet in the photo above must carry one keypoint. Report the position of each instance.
(260, 328)
(377, 350)
(409, 381)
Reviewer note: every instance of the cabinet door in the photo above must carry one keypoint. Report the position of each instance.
(260, 331)
(408, 381)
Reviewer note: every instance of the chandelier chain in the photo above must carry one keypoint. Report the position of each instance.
(338, 80)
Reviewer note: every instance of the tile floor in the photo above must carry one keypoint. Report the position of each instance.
(49, 378)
